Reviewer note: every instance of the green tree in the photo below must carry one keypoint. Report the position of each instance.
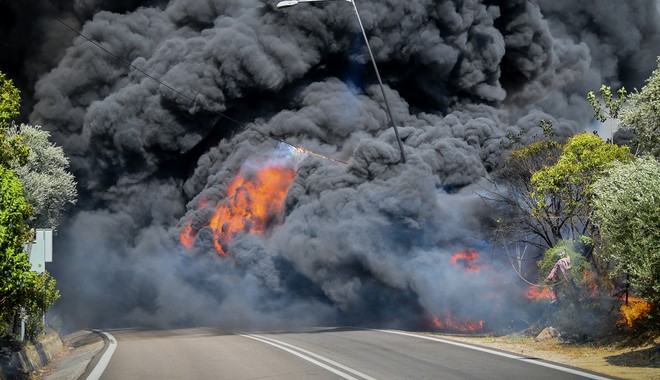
(642, 115)
(17, 281)
(47, 185)
(20, 288)
(627, 211)
(563, 191)
(10, 100)
(510, 194)
(13, 151)
(612, 104)
(41, 296)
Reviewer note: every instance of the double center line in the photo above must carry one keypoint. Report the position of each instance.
(321, 361)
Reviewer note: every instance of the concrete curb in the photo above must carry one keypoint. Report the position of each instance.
(97, 357)
(97, 365)
(82, 352)
(33, 357)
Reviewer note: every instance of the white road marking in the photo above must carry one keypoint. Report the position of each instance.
(504, 354)
(105, 359)
(300, 352)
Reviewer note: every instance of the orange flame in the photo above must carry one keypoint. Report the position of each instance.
(467, 259)
(450, 323)
(590, 281)
(537, 293)
(634, 311)
(254, 199)
(187, 236)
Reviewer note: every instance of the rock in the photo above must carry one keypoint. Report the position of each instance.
(547, 333)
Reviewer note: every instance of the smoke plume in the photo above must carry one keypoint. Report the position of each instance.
(368, 241)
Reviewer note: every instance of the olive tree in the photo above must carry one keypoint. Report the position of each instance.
(47, 185)
(642, 115)
(627, 211)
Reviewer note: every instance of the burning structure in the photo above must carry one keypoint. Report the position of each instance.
(191, 213)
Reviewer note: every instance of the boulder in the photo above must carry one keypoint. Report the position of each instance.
(547, 333)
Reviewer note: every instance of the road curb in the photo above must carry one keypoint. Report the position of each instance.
(33, 356)
(97, 365)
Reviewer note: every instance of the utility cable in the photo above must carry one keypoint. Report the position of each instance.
(193, 101)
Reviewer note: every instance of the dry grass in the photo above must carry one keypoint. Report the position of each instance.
(623, 358)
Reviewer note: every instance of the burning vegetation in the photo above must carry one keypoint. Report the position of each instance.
(634, 310)
(254, 203)
(536, 292)
(447, 322)
(468, 260)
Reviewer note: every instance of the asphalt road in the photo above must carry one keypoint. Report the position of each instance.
(330, 353)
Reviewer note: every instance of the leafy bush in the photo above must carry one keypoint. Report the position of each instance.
(627, 211)
(578, 263)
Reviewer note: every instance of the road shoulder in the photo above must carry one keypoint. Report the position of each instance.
(81, 350)
(600, 359)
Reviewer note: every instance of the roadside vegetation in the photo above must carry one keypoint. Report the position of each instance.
(35, 186)
(590, 209)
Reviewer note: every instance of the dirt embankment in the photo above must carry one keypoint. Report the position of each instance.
(623, 359)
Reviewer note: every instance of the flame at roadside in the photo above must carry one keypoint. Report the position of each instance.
(535, 292)
(590, 281)
(467, 259)
(635, 310)
(448, 322)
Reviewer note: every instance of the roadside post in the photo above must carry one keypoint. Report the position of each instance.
(40, 252)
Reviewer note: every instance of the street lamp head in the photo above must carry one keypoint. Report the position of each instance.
(287, 3)
(290, 3)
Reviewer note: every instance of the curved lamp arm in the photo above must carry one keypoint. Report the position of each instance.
(289, 3)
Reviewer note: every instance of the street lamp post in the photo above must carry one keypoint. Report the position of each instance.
(289, 3)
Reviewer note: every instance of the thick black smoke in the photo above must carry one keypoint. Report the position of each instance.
(368, 242)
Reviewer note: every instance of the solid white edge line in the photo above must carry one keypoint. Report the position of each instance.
(510, 356)
(322, 365)
(105, 359)
(320, 357)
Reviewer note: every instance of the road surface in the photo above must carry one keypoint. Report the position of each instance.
(323, 353)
